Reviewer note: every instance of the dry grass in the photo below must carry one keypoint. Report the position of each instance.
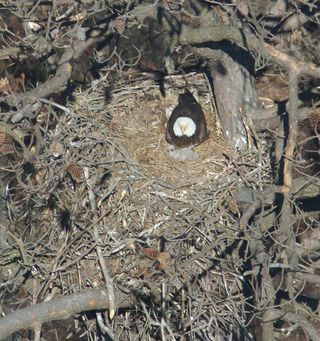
(140, 124)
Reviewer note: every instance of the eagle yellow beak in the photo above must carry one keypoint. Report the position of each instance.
(184, 128)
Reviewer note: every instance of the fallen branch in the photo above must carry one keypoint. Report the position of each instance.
(57, 309)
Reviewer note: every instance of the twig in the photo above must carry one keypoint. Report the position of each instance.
(105, 271)
(285, 222)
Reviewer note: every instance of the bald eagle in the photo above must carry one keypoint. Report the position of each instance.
(186, 127)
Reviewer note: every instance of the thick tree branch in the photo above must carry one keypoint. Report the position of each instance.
(59, 80)
(301, 321)
(6, 53)
(209, 34)
(302, 187)
(57, 309)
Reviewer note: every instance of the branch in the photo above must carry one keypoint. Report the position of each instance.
(209, 34)
(302, 187)
(59, 80)
(57, 309)
(6, 53)
(307, 326)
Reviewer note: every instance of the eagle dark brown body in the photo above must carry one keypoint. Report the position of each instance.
(190, 108)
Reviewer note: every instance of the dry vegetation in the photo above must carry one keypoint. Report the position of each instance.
(103, 235)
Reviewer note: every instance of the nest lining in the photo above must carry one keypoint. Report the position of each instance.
(142, 128)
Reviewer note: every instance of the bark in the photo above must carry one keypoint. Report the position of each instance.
(236, 98)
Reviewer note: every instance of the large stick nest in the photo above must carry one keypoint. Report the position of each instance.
(168, 229)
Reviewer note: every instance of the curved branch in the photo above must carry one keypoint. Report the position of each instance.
(207, 34)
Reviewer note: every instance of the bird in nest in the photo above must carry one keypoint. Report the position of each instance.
(186, 128)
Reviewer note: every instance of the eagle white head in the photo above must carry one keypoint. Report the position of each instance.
(184, 126)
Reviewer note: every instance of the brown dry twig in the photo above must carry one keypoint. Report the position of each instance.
(106, 273)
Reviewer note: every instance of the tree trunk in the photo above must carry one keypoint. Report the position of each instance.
(234, 90)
